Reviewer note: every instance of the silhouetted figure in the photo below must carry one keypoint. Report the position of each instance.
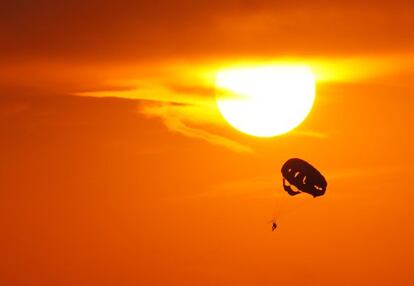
(274, 226)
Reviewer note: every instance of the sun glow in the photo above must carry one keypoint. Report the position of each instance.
(265, 101)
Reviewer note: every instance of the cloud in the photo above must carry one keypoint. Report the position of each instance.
(184, 110)
(182, 118)
(174, 121)
(182, 96)
(108, 31)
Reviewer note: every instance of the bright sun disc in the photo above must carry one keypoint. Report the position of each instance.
(265, 101)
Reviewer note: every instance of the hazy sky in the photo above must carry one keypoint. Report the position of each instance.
(117, 168)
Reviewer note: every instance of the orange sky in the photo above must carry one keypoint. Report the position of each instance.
(117, 168)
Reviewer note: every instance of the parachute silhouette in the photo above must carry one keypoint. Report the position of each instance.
(300, 176)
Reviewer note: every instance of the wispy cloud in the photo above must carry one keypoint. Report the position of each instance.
(172, 115)
(188, 111)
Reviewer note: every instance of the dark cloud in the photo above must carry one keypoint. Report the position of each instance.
(135, 30)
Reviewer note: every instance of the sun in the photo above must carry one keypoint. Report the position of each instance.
(265, 101)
